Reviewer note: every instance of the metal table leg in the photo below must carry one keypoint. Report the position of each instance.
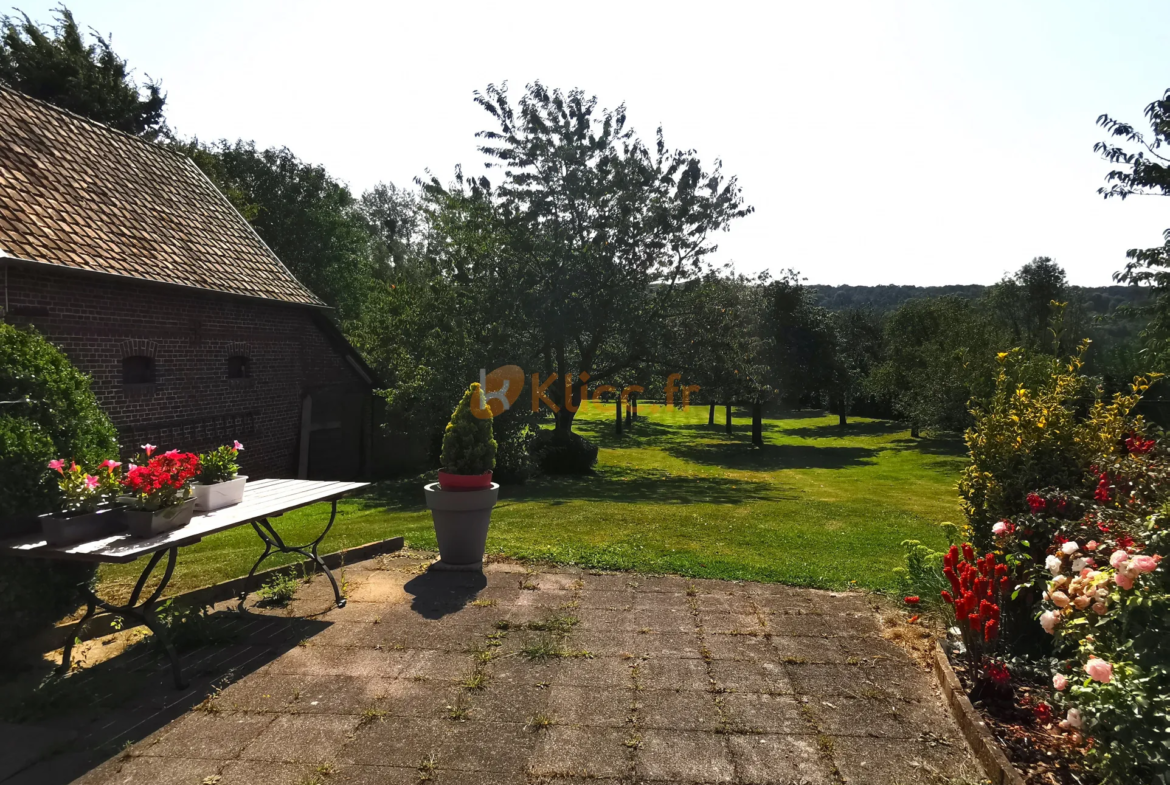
(274, 544)
(140, 613)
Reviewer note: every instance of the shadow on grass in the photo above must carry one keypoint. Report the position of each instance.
(835, 431)
(771, 457)
(933, 445)
(621, 485)
(97, 711)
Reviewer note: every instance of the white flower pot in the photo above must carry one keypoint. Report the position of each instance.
(148, 523)
(219, 494)
(461, 524)
(66, 530)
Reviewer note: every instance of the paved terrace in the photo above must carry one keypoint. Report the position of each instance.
(518, 676)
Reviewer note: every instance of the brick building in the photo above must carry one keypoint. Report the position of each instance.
(125, 256)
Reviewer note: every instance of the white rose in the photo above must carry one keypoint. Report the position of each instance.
(1054, 564)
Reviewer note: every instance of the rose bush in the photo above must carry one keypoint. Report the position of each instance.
(1071, 490)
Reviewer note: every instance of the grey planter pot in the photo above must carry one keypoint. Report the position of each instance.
(59, 530)
(461, 524)
(148, 523)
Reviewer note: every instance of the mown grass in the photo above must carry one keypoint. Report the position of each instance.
(816, 506)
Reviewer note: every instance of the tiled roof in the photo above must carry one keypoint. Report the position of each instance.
(77, 194)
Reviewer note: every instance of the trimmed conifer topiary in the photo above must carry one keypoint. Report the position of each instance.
(468, 444)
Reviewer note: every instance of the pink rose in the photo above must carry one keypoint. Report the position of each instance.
(1060, 681)
(1117, 559)
(1049, 620)
(1082, 602)
(1100, 608)
(1074, 718)
(1060, 599)
(1123, 580)
(1099, 670)
(1091, 545)
(999, 529)
(1145, 563)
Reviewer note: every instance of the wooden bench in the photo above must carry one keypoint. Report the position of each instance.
(263, 499)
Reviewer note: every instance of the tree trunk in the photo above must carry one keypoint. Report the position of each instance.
(758, 424)
(629, 413)
(564, 422)
(841, 419)
(618, 419)
(634, 397)
(727, 415)
(711, 415)
(914, 431)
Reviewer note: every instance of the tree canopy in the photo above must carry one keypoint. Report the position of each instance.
(596, 230)
(55, 64)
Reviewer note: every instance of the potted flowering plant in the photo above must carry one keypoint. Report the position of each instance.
(86, 509)
(461, 501)
(160, 496)
(218, 484)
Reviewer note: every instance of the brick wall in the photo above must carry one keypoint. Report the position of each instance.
(193, 405)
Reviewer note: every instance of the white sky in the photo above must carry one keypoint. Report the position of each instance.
(880, 142)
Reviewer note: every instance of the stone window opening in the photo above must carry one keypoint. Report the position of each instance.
(138, 369)
(239, 367)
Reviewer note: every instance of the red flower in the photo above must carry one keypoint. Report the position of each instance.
(998, 673)
(1043, 713)
(947, 598)
(911, 600)
(1037, 503)
(1124, 542)
(1102, 492)
(1136, 445)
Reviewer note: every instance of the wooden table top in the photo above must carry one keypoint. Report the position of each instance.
(262, 499)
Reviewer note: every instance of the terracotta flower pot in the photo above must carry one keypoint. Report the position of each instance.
(465, 482)
(219, 494)
(461, 523)
(148, 523)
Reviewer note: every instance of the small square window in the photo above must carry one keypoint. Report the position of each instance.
(239, 367)
(138, 370)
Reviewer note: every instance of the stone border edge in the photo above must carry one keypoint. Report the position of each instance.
(995, 763)
(102, 624)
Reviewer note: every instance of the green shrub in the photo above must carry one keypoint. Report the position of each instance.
(219, 465)
(280, 589)
(468, 445)
(569, 454)
(56, 416)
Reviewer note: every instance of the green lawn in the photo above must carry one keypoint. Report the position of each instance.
(816, 506)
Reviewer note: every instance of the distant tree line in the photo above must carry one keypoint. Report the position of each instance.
(586, 251)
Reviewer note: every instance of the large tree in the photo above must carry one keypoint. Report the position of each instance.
(599, 230)
(1024, 303)
(56, 64)
(1144, 170)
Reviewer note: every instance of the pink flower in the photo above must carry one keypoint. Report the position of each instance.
(236, 445)
(132, 467)
(1145, 563)
(109, 465)
(149, 448)
(1091, 545)
(1100, 608)
(1074, 718)
(57, 465)
(1117, 559)
(171, 454)
(1049, 620)
(91, 481)
(1099, 670)
(1001, 529)
(1060, 599)
(1060, 681)
(1123, 580)
(1081, 602)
